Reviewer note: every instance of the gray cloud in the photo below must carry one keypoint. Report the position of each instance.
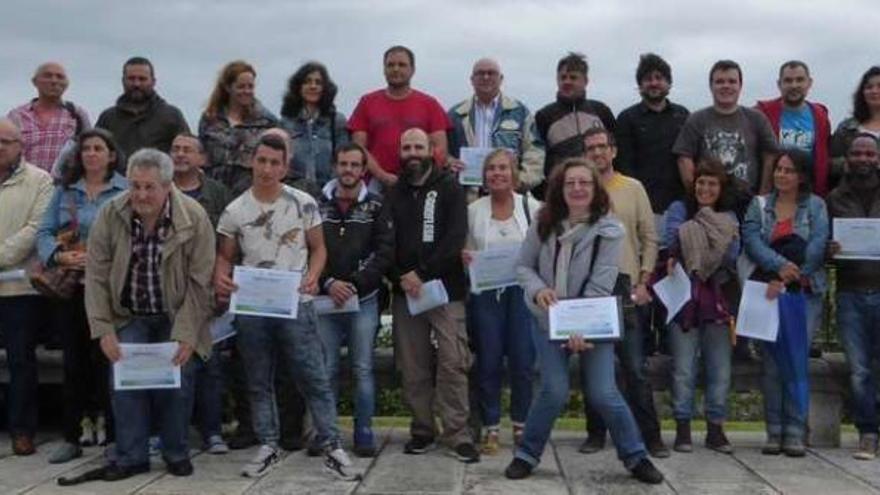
(189, 41)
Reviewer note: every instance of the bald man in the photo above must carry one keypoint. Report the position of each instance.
(25, 191)
(430, 223)
(490, 119)
(47, 122)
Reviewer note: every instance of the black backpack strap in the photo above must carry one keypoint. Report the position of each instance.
(525, 203)
(596, 241)
(70, 107)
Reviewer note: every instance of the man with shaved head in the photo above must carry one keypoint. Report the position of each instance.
(430, 223)
(48, 122)
(490, 119)
(25, 191)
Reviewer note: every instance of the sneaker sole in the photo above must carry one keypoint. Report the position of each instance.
(423, 450)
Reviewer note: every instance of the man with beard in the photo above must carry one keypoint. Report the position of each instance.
(799, 123)
(47, 122)
(430, 224)
(360, 240)
(141, 118)
(858, 287)
(382, 115)
(741, 138)
(563, 123)
(646, 132)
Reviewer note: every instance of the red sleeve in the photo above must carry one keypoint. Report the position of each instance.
(358, 120)
(437, 118)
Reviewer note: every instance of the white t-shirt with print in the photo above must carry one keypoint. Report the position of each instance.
(272, 235)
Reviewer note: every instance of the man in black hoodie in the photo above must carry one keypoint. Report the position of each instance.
(430, 223)
(141, 118)
(562, 124)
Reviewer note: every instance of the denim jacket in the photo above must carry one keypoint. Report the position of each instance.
(513, 128)
(810, 223)
(59, 215)
(313, 141)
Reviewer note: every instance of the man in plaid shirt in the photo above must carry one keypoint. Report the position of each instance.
(47, 122)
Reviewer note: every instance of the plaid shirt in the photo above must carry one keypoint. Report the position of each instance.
(42, 142)
(142, 293)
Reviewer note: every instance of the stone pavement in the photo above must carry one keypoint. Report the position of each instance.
(563, 471)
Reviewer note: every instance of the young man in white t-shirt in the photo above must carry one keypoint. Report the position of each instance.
(276, 226)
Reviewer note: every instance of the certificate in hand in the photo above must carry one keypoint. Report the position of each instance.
(859, 238)
(265, 292)
(433, 295)
(324, 305)
(493, 268)
(674, 291)
(758, 317)
(594, 318)
(472, 174)
(146, 366)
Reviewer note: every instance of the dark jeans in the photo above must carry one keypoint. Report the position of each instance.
(637, 389)
(858, 322)
(133, 409)
(209, 389)
(18, 316)
(85, 368)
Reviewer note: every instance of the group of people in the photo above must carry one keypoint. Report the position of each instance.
(129, 232)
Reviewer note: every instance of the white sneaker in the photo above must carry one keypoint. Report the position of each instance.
(262, 462)
(216, 445)
(87, 439)
(337, 463)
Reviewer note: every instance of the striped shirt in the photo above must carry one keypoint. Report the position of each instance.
(142, 293)
(42, 141)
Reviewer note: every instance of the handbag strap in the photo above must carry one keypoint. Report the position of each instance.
(596, 241)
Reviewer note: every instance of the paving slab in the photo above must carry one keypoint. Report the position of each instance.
(599, 473)
(487, 476)
(866, 471)
(803, 476)
(435, 472)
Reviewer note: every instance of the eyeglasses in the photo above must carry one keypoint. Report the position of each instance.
(8, 142)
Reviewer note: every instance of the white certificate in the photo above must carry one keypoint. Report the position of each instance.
(859, 238)
(472, 173)
(493, 268)
(674, 291)
(146, 366)
(594, 318)
(324, 305)
(758, 317)
(221, 327)
(12, 275)
(264, 292)
(433, 295)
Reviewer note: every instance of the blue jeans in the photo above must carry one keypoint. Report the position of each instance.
(712, 341)
(267, 343)
(209, 389)
(18, 321)
(598, 374)
(358, 330)
(133, 409)
(502, 326)
(858, 321)
(780, 414)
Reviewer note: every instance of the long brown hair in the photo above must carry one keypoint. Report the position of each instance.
(555, 210)
(220, 96)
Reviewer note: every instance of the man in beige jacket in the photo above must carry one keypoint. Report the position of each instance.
(25, 191)
(148, 280)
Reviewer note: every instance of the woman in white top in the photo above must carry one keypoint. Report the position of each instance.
(500, 323)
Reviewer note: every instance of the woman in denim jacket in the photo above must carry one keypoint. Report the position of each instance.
(790, 215)
(315, 127)
(88, 182)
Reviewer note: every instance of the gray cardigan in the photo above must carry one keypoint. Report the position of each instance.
(535, 270)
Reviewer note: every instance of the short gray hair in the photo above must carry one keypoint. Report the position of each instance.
(152, 158)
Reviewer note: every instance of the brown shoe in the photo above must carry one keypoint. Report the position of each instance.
(23, 445)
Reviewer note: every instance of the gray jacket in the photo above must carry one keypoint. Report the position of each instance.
(536, 267)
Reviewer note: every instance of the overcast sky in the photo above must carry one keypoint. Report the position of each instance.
(189, 41)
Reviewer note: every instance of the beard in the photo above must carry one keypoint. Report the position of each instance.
(654, 96)
(138, 95)
(415, 168)
(794, 99)
(861, 171)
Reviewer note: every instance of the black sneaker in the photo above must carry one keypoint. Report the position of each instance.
(518, 469)
(291, 443)
(467, 453)
(657, 448)
(645, 472)
(314, 450)
(115, 472)
(242, 440)
(594, 443)
(418, 445)
(180, 468)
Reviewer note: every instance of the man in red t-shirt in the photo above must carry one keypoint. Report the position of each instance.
(382, 115)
